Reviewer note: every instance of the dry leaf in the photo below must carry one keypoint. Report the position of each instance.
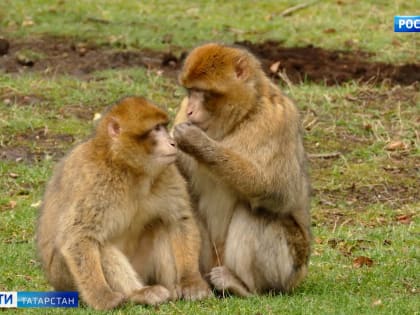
(362, 261)
(36, 204)
(404, 219)
(377, 303)
(27, 23)
(396, 145)
(12, 204)
(317, 240)
(97, 116)
(13, 175)
(274, 68)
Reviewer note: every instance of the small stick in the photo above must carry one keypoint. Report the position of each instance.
(324, 155)
(295, 8)
(219, 263)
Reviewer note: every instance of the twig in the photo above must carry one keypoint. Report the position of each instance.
(295, 8)
(325, 155)
(97, 20)
(219, 263)
(309, 125)
(283, 75)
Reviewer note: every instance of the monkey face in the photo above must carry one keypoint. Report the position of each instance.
(148, 150)
(164, 147)
(138, 137)
(221, 87)
(197, 112)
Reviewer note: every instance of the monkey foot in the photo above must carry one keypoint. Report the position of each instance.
(223, 279)
(195, 290)
(152, 295)
(108, 301)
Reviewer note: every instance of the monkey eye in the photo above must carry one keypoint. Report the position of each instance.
(142, 136)
(160, 127)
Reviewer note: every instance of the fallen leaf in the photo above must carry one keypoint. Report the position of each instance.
(274, 68)
(27, 22)
(12, 204)
(317, 240)
(377, 303)
(97, 116)
(396, 145)
(36, 204)
(367, 126)
(330, 30)
(404, 219)
(13, 175)
(362, 261)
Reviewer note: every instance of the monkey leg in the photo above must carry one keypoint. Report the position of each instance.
(258, 253)
(83, 258)
(155, 265)
(118, 271)
(122, 277)
(58, 273)
(185, 239)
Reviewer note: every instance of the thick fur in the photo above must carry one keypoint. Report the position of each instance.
(115, 224)
(246, 172)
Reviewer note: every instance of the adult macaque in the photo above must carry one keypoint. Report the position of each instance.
(116, 221)
(243, 156)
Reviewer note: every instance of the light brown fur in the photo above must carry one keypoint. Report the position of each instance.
(116, 221)
(243, 157)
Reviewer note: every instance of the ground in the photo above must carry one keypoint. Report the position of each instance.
(355, 83)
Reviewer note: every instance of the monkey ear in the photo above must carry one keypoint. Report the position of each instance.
(114, 128)
(241, 68)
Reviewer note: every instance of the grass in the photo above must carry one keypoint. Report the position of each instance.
(365, 201)
(366, 25)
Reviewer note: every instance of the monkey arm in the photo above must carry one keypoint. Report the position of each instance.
(186, 164)
(234, 169)
(83, 259)
(185, 239)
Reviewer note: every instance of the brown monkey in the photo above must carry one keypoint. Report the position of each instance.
(243, 156)
(116, 221)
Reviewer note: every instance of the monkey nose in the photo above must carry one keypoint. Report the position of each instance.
(172, 142)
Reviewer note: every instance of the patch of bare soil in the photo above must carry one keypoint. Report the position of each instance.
(36, 145)
(58, 55)
(332, 67)
(63, 56)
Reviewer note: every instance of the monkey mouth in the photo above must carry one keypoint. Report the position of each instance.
(170, 157)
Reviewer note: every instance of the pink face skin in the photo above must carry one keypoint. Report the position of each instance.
(196, 112)
(165, 148)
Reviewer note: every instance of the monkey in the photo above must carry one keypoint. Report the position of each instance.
(241, 151)
(116, 222)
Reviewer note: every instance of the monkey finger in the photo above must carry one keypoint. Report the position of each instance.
(196, 292)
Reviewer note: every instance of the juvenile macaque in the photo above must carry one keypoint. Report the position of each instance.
(243, 157)
(116, 221)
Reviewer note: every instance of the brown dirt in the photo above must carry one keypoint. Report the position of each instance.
(58, 55)
(332, 67)
(35, 145)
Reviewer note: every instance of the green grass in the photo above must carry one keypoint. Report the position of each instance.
(366, 25)
(365, 199)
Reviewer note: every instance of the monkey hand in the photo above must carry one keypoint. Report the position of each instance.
(194, 290)
(191, 139)
(151, 295)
